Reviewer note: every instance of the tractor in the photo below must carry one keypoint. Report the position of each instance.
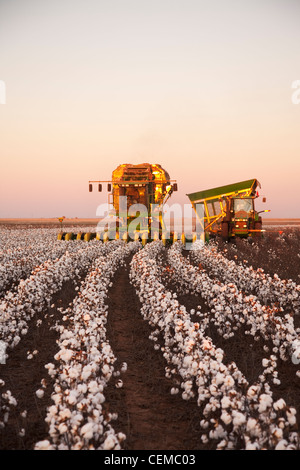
(229, 211)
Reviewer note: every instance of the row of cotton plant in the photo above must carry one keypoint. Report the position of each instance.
(284, 292)
(233, 414)
(85, 364)
(34, 293)
(22, 250)
(231, 308)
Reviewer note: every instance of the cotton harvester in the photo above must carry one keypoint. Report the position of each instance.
(229, 211)
(142, 188)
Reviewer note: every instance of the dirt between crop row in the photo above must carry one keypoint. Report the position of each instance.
(149, 415)
(22, 376)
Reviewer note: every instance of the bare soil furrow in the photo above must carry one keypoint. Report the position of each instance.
(149, 415)
(22, 376)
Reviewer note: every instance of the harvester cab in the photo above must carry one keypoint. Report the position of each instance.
(229, 211)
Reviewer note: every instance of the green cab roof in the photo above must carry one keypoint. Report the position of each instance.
(230, 189)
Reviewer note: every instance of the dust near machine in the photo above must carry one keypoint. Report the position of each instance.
(136, 194)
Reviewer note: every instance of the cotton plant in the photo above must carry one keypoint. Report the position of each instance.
(33, 294)
(231, 308)
(232, 413)
(22, 250)
(271, 289)
(84, 365)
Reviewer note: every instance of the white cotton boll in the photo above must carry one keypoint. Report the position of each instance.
(226, 417)
(204, 424)
(174, 391)
(86, 372)
(9, 398)
(291, 416)
(251, 446)
(124, 367)
(238, 418)
(225, 402)
(43, 445)
(252, 391)
(119, 384)
(39, 393)
(265, 402)
(72, 398)
(265, 362)
(82, 388)
(278, 433)
(229, 381)
(62, 428)
(217, 433)
(73, 373)
(106, 369)
(282, 445)
(93, 386)
(252, 427)
(56, 397)
(65, 414)
(64, 355)
(121, 436)
(109, 443)
(87, 431)
(187, 361)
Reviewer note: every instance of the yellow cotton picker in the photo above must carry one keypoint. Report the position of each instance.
(141, 190)
(229, 210)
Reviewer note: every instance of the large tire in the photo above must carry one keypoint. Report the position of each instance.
(225, 231)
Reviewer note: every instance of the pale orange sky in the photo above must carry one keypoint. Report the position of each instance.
(203, 88)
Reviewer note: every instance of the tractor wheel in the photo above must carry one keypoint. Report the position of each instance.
(225, 231)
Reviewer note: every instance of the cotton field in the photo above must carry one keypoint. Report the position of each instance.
(120, 346)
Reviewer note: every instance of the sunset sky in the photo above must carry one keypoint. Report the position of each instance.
(202, 87)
